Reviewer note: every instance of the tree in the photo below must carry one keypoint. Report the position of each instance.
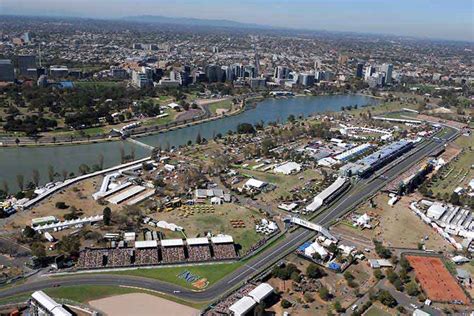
(378, 274)
(29, 232)
(83, 169)
(454, 199)
(38, 250)
(338, 307)
(387, 299)
(101, 161)
(295, 276)
(107, 213)
(412, 288)
(36, 177)
(245, 128)
(20, 179)
(198, 138)
(314, 272)
(324, 293)
(285, 303)
(69, 245)
(50, 173)
(291, 118)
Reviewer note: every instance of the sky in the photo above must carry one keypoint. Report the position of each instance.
(441, 19)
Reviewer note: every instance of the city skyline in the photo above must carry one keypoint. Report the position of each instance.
(426, 19)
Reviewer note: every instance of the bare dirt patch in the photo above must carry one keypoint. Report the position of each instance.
(141, 304)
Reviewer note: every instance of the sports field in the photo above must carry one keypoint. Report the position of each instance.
(436, 281)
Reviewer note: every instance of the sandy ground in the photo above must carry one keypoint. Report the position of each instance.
(141, 304)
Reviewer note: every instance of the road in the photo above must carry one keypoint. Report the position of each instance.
(357, 194)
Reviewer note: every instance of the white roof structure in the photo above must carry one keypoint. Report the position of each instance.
(261, 292)
(436, 210)
(173, 105)
(223, 239)
(119, 198)
(419, 312)
(315, 247)
(172, 242)
(325, 194)
(255, 183)
(379, 263)
(288, 168)
(49, 304)
(242, 306)
(146, 244)
(197, 241)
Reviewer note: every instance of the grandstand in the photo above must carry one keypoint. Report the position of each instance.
(223, 247)
(198, 249)
(172, 250)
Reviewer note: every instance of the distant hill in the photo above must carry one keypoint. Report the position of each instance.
(193, 21)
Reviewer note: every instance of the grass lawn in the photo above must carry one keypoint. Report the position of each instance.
(284, 183)
(458, 172)
(78, 133)
(383, 108)
(224, 104)
(375, 311)
(86, 293)
(162, 120)
(88, 84)
(212, 272)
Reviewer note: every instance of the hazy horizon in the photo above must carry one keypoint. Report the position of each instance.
(422, 18)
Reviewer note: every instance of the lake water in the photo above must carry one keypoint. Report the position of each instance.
(23, 160)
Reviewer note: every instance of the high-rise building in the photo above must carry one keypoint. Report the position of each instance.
(387, 69)
(213, 73)
(369, 71)
(250, 71)
(306, 79)
(360, 70)
(26, 62)
(7, 71)
(281, 72)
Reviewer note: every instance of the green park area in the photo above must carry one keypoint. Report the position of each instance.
(375, 311)
(456, 173)
(177, 275)
(224, 104)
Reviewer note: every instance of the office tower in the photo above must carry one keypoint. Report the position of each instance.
(369, 71)
(7, 72)
(235, 71)
(388, 69)
(306, 79)
(26, 62)
(250, 72)
(281, 72)
(213, 73)
(360, 70)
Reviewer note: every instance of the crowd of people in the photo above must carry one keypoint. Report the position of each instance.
(91, 258)
(147, 256)
(119, 257)
(222, 307)
(124, 257)
(224, 251)
(199, 253)
(173, 254)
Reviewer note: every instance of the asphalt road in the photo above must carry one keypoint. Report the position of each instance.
(357, 194)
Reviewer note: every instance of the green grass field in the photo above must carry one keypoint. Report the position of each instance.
(375, 311)
(212, 272)
(224, 104)
(88, 84)
(162, 120)
(458, 172)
